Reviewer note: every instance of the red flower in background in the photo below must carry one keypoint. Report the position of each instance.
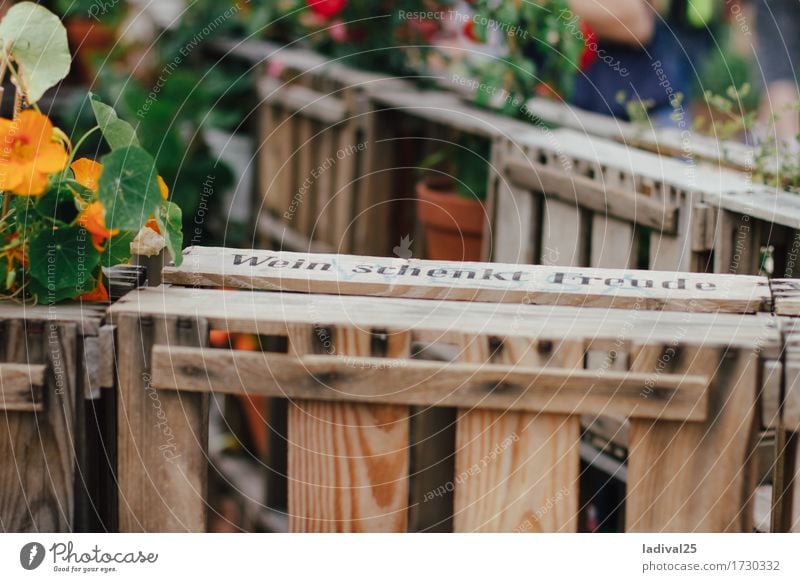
(326, 8)
(589, 53)
(469, 31)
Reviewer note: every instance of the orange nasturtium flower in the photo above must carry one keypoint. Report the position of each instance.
(93, 216)
(93, 219)
(99, 293)
(28, 153)
(87, 173)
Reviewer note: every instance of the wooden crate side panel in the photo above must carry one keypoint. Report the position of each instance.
(518, 471)
(37, 452)
(696, 477)
(348, 463)
(161, 436)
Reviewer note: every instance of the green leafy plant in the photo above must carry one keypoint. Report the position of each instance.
(461, 164)
(393, 36)
(543, 50)
(64, 219)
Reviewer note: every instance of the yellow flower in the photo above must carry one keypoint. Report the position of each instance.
(28, 153)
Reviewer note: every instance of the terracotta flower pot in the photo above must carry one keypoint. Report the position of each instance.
(453, 224)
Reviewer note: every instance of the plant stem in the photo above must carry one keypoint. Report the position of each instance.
(79, 143)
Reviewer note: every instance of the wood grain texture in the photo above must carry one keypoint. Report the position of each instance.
(161, 437)
(37, 451)
(21, 387)
(477, 282)
(348, 462)
(582, 191)
(517, 471)
(398, 381)
(696, 477)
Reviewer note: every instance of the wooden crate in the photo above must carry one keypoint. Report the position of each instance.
(782, 409)
(687, 377)
(324, 157)
(56, 442)
(568, 199)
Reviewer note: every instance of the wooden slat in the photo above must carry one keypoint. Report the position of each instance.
(344, 186)
(517, 471)
(786, 296)
(348, 461)
(515, 225)
(695, 478)
(161, 437)
(268, 313)
(21, 387)
(673, 251)
(302, 100)
(583, 191)
(302, 203)
(496, 386)
(490, 282)
(737, 248)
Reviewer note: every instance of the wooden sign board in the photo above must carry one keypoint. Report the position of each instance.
(462, 281)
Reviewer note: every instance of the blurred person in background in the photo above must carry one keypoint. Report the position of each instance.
(778, 31)
(645, 52)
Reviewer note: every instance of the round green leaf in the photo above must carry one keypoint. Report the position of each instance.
(128, 188)
(170, 223)
(65, 259)
(118, 249)
(38, 44)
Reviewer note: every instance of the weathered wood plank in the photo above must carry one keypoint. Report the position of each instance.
(490, 282)
(496, 386)
(696, 477)
(37, 453)
(21, 387)
(518, 471)
(348, 461)
(582, 191)
(161, 437)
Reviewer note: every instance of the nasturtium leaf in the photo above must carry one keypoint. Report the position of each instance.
(128, 188)
(48, 296)
(38, 43)
(64, 260)
(58, 204)
(170, 221)
(117, 133)
(118, 249)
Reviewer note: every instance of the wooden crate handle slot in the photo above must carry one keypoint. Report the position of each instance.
(424, 383)
(21, 387)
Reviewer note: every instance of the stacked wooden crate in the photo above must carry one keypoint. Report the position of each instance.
(677, 355)
(56, 452)
(322, 161)
(565, 198)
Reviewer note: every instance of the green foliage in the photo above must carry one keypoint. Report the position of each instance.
(116, 132)
(128, 188)
(544, 46)
(65, 261)
(38, 47)
(169, 222)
